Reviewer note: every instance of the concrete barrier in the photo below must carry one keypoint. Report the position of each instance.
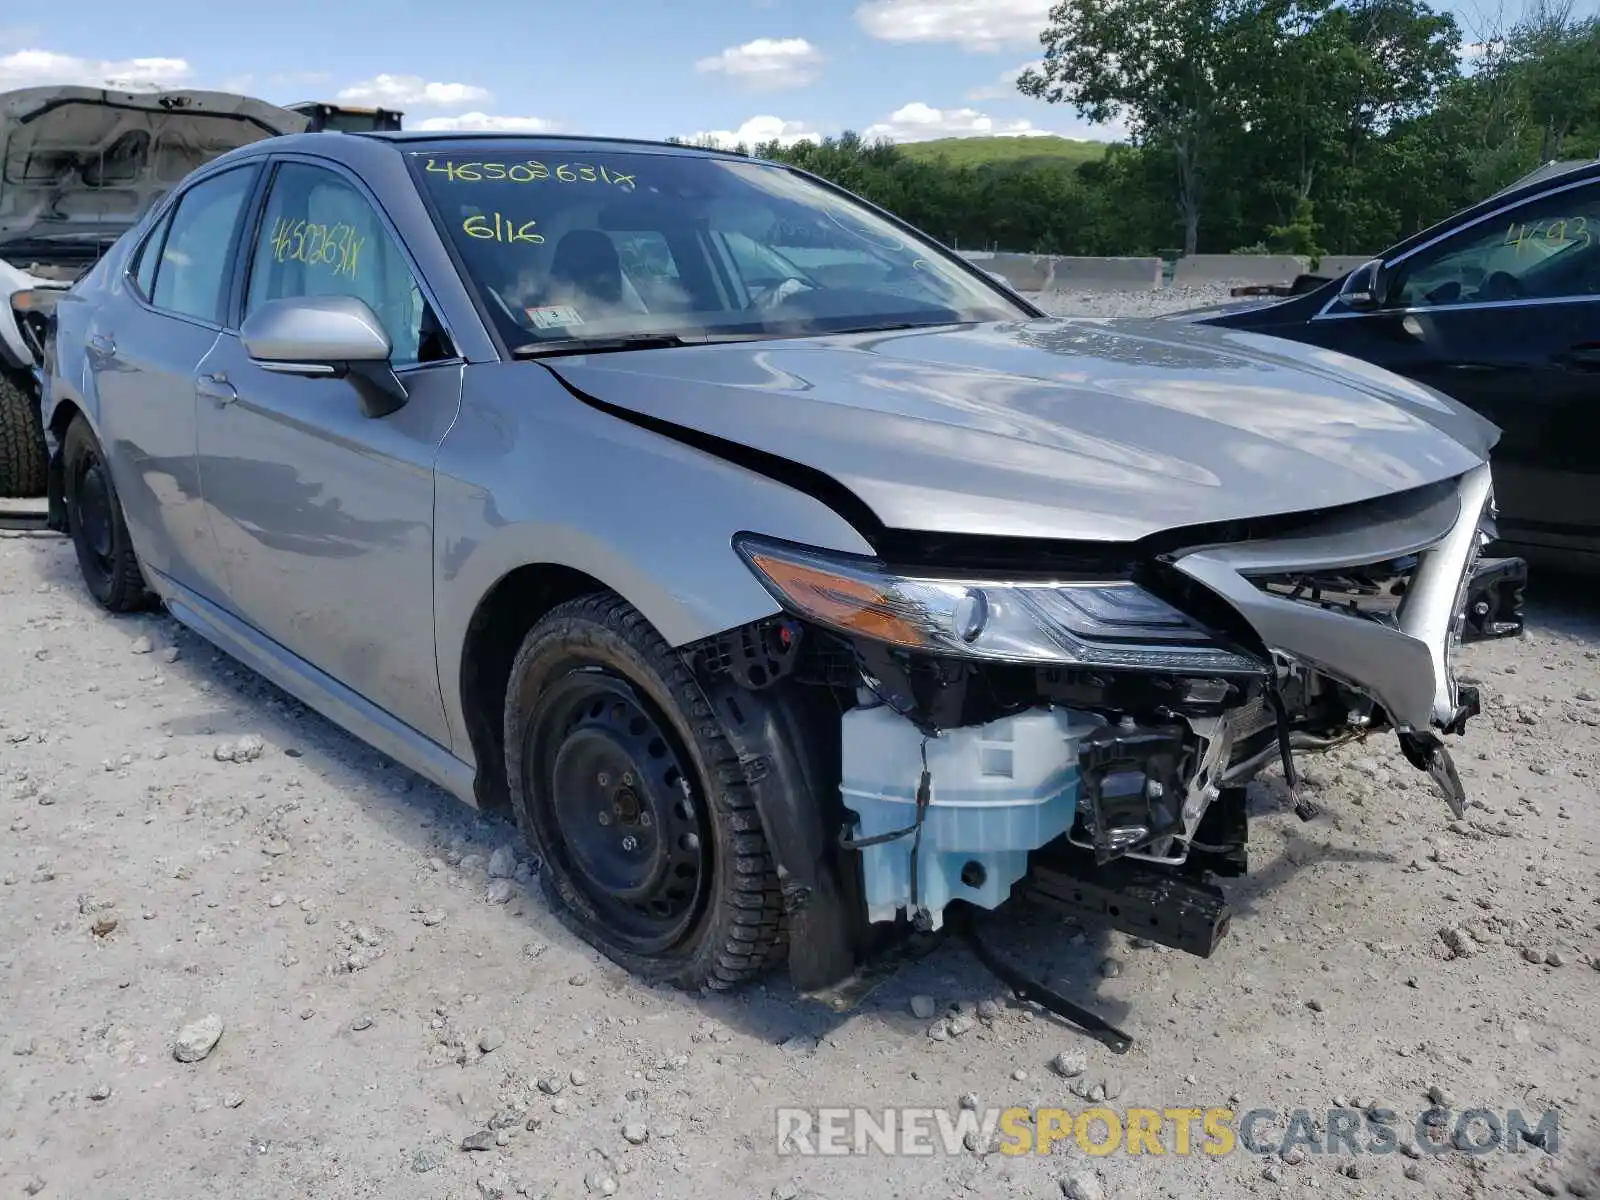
(1238, 268)
(1103, 274)
(1335, 265)
(1054, 272)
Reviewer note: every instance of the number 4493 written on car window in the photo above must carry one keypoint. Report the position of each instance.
(1557, 231)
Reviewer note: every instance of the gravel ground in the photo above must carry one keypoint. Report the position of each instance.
(243, 956)
(1130, 304)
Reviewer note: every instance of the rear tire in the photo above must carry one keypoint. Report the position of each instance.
(106, 559)
(625, 783)
(23, 458)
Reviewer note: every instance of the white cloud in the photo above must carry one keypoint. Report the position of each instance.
(477, 122)
(757, 130)
(401, 91)
(981, 25)
(1005, 85)
(919, 122)
(767, 63)
(38, 68)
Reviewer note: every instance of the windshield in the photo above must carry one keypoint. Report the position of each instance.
(616, 245)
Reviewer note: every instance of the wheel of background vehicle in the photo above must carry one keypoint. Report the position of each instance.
(99, 534)
(624, 782)
(23, 459)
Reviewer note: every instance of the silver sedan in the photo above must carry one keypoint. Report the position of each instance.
(788, 578)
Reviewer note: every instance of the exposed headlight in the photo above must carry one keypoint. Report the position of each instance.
(39, 300)
(1104, 623)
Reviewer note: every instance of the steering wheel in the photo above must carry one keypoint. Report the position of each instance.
(1500, 285)
(781, 291)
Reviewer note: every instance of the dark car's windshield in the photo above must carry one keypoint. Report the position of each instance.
(564, 246)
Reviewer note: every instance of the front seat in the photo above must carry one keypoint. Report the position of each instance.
(586, 260)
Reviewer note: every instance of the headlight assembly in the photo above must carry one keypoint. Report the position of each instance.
(1101, 623)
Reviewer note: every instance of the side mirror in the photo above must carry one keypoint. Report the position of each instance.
(1363, 289)
(336, 337)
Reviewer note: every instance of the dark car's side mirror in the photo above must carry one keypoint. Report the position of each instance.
(1363, 289)
(332, 336)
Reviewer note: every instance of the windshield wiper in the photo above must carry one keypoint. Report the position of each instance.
(608, 344)
(886, 327)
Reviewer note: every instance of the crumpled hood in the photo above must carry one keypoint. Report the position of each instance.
(84, 164)
(1099, 430)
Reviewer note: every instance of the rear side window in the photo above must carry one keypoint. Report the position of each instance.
(144, 273)
(192, 271)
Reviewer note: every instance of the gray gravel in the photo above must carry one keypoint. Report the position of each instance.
(1130, 304)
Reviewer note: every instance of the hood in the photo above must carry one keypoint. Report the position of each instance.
(1091, 430)
(79, 166)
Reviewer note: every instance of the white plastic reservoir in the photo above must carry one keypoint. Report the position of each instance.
(998, 791)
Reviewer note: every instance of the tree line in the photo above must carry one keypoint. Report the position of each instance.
(1298, 126)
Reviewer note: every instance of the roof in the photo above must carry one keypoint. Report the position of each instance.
(1546, 172)
(434, 137)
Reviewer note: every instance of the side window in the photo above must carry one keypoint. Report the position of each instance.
(192, 271)
(1546, 249)
(319, 236)
(144, 274)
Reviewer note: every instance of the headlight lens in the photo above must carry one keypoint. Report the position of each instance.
(1106, 623)
(36, 300)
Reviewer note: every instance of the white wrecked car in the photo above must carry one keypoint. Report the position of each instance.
(78, 167)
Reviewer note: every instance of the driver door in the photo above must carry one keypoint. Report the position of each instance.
(1504, 316)
(323, 516)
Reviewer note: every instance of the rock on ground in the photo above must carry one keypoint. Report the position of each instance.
(197, 1040)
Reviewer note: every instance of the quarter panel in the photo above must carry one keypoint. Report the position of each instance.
(530, 475)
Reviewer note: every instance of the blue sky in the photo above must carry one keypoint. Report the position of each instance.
(908, 69)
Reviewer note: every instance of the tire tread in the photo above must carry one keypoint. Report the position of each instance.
(748, 929)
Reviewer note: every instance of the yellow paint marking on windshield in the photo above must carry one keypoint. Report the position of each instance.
(1557, 231)
(334, 246)
(497, 227)
(530, 171)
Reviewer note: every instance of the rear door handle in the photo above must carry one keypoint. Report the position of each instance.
(215, 387)
(102, 343)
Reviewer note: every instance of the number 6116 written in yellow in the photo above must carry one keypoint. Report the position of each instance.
(497, 227)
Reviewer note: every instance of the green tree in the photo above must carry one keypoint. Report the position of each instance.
(1169, 68)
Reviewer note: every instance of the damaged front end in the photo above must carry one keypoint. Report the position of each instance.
(1087, 735)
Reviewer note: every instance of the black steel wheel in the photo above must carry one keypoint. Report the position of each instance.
(619, 807)
(106, 559)
(626, 787)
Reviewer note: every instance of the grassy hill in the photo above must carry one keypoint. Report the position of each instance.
(1006, 151)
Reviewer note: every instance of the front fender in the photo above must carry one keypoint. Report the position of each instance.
(530, 475)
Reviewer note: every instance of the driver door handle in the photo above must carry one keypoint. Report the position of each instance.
(102, 343)
(215, 387)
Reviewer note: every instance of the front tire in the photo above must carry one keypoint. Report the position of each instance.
(625, 783)
(106, 559)
(23, 459)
